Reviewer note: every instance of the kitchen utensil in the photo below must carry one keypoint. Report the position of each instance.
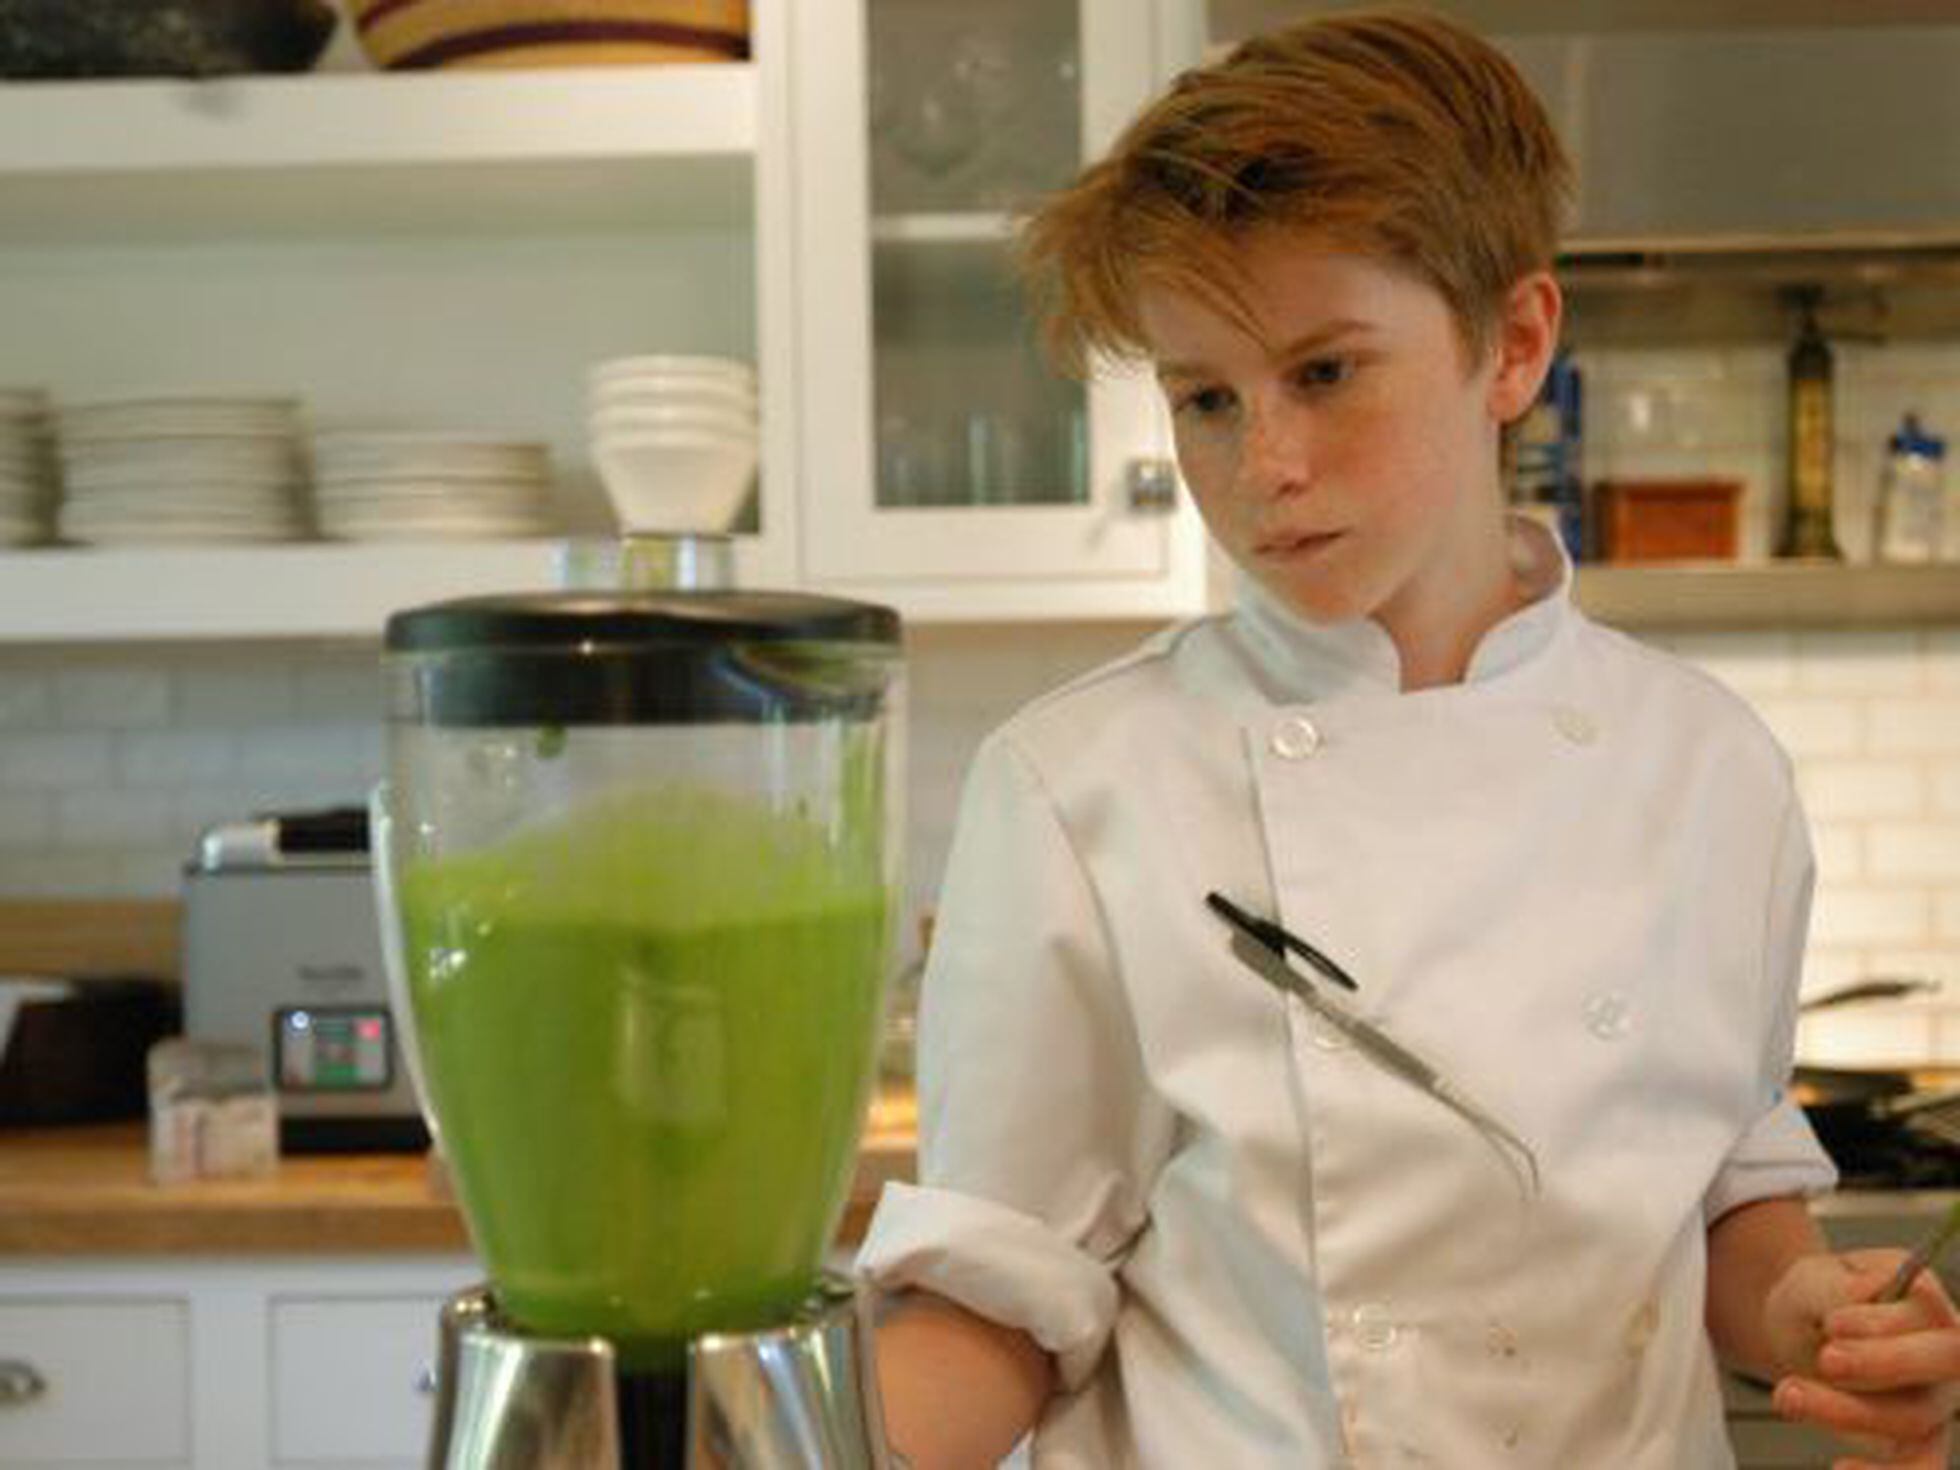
(1878, 987)
(1927, 1253)
(280, 955)
(1261, 946)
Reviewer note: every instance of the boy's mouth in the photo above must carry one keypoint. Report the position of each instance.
(1296, 543)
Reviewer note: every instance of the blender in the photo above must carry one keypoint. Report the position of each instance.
(635, 859)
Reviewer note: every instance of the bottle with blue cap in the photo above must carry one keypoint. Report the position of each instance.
(1911, 496)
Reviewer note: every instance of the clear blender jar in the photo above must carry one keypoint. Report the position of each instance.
(637, 861)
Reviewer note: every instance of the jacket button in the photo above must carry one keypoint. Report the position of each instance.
(1575, 725)
(1295, 738)
(1609, 1016)
(1326, 1037)
(1374, 1329)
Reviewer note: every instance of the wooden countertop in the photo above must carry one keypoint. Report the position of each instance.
(86, 1191)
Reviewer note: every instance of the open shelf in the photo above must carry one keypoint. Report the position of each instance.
(319, 590)
(160, 161)
(1790, 595)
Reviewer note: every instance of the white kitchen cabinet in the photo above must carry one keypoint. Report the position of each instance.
(94, 1379)
(221, 1364)
(948, 469)
(452, 250)
(430, 251)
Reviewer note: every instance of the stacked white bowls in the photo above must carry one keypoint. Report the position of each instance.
(674, 439)
(182, 469)
(26, 467)
(414, 486)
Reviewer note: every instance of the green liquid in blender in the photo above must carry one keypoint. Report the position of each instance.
(649, 1034)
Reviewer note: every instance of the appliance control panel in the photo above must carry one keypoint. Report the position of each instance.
(332, 1048)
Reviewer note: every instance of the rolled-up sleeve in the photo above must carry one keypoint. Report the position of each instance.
(1779, 1153)
(1039, 1134)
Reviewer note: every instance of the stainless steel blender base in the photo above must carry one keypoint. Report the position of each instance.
(802, 1396)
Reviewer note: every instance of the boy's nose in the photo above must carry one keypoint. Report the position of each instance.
(1274, 454)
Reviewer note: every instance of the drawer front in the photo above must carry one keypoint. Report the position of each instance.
(349, 1378)
(105, 1380)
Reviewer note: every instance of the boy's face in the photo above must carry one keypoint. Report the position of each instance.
(1349, 460)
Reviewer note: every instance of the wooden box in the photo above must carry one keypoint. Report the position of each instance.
(1669, 520)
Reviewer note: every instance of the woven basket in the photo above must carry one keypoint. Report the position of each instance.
(412, 34)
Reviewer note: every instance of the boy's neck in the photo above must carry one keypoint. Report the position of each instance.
(1435, 642)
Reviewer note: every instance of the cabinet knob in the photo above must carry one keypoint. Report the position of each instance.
(1152, 485)
(19, 1383)
(425, 1381)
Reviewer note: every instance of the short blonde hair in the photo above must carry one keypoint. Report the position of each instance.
(1395, 133)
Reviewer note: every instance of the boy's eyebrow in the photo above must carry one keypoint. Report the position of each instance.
(1320, 336)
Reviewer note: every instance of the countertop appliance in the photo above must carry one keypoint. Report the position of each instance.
(281, 951)
(637, 852)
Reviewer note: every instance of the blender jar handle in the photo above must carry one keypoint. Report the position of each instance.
(384, 867)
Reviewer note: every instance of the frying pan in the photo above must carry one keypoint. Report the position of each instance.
(1847, 1105)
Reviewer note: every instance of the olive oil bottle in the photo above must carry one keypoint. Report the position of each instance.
(1808, 519)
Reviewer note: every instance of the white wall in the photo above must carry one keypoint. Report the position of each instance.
(111, 762)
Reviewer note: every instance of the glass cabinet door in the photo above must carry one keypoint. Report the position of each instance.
(974, 111)
(977, 459)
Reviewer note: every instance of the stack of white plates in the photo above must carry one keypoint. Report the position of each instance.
(674, 439)
(429, 486)
(180, 470)
(26, 467)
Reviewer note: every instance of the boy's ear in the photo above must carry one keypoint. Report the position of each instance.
(1526, 338)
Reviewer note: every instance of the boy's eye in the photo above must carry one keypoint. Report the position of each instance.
(1205, 402)
(1323, 372)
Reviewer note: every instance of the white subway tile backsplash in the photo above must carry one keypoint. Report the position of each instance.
(237, 695)
(343, 692)
(1856, 915)
(26, 700)
(1947, 922)
(176, 758)
(112, 698)
(1926, 852)
(60, 875)
(1876, 661)
(1926, 962)
(1839, 848)
(306, 756)
(65, 760)
(1927, 726)
(112, 819)
(1826, 969)
(1943, 660)
(152, 873)
(1751, 664)
(1946, 787)
(1897, 1033)
(26, 821)
(194, 809)
(1853, 789)
(1812, 725)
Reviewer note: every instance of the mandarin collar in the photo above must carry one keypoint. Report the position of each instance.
(1309, 662)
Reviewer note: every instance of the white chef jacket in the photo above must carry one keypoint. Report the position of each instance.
(1576, 883)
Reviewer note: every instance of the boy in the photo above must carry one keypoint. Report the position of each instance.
(1172, 1212)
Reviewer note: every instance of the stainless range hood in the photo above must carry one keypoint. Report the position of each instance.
(1733, 125)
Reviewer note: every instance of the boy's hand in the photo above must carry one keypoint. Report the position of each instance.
(1884, 1377)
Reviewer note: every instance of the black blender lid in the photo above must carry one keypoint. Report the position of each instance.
(625, 658)
(573, 620)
